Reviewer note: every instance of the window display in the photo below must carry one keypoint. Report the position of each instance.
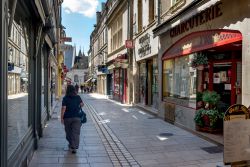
(116, 82)
(179, 81)
(18, 92)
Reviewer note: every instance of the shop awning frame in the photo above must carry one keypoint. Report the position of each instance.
(202, 40)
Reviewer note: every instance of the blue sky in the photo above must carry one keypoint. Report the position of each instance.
(79, 17)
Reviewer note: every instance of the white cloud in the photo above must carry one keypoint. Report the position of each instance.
(86, 7)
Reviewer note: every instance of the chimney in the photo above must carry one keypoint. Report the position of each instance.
(98, 16)
(103, 6)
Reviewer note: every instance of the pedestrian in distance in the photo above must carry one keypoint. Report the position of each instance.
(71, 104)
(76, 88)
(82, 87)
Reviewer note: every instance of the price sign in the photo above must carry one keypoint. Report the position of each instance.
(237, 135)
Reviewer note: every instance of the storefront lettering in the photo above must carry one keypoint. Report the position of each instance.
(145, 48)
(198, 19)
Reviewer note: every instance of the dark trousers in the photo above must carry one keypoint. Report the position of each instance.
(72, 129)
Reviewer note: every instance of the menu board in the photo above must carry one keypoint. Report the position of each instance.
(236, 140)
(237, 134)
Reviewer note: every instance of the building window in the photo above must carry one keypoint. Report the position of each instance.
(151, 11)
(116, 34)
(139, 15)
(173, 2)
(164, 6)
(179, 80)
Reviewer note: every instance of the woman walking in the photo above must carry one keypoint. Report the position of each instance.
(70, 117)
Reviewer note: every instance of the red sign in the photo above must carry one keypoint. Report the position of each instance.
(129, 44)
(66, 39)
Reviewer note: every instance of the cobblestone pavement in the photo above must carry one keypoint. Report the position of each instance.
(121, 135)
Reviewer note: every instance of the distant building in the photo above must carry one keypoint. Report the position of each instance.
(78, 74)
(81, 61)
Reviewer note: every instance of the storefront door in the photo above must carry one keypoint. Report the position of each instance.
(222, 81)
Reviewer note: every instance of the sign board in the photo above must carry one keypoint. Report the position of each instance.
(64, 47)
(66, 39)
(129, 44)
(236, 134)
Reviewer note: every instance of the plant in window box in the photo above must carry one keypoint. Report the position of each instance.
(211, 99)
(209, 119)
(199, 61)
(199, 99)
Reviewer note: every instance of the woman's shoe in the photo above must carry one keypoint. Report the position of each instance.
(73, 151)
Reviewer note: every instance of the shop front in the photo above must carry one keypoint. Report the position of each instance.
(222, 73)
(146, 53)
(120, 85)
(120, 78)
(219, 35)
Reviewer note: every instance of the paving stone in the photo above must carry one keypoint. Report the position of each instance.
(71, 160)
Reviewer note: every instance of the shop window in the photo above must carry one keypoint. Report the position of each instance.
(179, 81)
(117, 82)
(116, 34)
(18, 89)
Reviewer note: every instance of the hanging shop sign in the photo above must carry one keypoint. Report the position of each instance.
(145, 47)
(11, 66)
(236, 135)
(202, 40)
(102, 69)
(121, 61)
(66, 39)
(64, 47)
(200, 18)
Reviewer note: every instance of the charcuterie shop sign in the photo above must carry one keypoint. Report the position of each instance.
(200, 18)
(237, 135)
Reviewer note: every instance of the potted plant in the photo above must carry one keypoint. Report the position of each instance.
(209, 119)
(210, 98)
(199, 60)
(199, 99)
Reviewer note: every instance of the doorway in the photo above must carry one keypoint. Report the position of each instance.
(222, 82)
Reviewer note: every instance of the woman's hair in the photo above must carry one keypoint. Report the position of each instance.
(70, 90)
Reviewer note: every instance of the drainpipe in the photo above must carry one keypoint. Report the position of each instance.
(159, 11)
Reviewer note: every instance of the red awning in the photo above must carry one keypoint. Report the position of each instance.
(202, 40)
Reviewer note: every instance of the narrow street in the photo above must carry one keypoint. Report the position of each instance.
(121, 135)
